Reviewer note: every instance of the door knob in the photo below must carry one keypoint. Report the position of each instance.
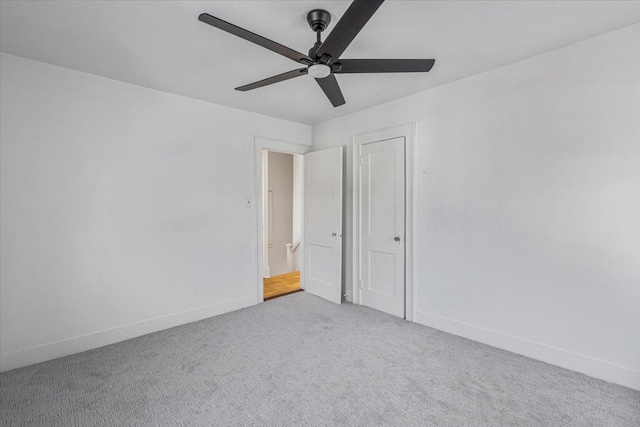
(333, 234)
(397, 239)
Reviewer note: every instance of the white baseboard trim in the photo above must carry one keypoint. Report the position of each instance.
(596, 368)
(66, 347)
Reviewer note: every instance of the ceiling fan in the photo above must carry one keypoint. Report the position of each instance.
(323, 60)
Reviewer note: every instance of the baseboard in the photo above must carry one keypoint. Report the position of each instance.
(566, 359)
(93, 340)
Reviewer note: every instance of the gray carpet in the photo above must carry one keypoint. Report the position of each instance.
(299, 360)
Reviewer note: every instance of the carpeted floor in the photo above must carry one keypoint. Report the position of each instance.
(299, 360)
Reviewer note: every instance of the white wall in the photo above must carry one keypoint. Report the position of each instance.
(280, 183)
(122, 209)
(528, 204)
(298, 204)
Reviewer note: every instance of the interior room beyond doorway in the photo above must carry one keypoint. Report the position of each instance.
(282, 213)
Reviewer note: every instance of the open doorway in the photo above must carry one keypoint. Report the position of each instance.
(319, 194)
(282, 218)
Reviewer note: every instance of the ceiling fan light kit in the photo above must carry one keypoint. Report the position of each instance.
(323, 60)
(319, 71)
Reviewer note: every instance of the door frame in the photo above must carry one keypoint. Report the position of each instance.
(408, 131)
(261, 144)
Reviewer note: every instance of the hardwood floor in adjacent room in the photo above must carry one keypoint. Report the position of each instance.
(283, 284)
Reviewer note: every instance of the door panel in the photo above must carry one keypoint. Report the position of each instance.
(383, 226)
(323, 223)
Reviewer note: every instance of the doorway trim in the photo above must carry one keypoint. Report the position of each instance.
(408, 131)
(260, 145)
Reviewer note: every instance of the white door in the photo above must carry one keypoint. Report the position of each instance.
(383, 226)
(323, 223)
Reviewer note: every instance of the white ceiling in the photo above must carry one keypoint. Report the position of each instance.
(162, 45)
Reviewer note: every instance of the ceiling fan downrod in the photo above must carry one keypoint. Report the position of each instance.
(318, 20)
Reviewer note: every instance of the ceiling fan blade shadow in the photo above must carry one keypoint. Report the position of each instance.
(255, 38)
(350, 24)
(329, 86)
(384, 66)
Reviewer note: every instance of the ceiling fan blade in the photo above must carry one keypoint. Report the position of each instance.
(254, 38)
(384, 65)
(330, 88)
(356, 16)
(275, 79)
